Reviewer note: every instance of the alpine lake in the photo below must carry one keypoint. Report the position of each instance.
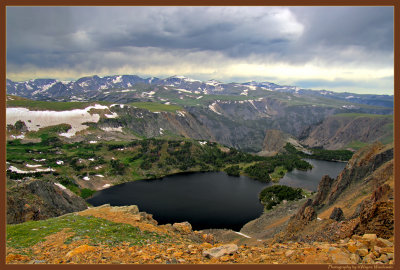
(207, 199)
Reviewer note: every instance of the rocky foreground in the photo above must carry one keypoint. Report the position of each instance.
(186, 246)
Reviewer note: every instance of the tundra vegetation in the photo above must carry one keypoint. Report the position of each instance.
(125, 161)
(274, 195)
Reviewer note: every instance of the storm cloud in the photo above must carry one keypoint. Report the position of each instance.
(291, 44)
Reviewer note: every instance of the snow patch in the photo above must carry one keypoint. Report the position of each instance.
(18, 136)
(212, 108)
(60, 162)
(242, 234)
(86, 178)
(33, 166)
(60, 186)
(83, 84)
(252, 103)
(212, 82)
(181, 113)
(265, 88)
(113, 115)
(92, 142)
(47, 86)
(15, 169)
(149, 94)
(99, 175)
(112, 129)
(39, 119)
(118, 79)
(183, 90)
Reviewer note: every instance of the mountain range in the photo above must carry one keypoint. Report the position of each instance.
(95, 87)
(233, 114)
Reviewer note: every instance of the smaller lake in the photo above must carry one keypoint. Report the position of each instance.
(310, 179)
(205, 200)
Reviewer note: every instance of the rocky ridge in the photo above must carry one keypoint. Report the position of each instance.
(359, 201)
(195, 247)
(38, 200)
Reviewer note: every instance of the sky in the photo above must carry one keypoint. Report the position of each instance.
(334, 48)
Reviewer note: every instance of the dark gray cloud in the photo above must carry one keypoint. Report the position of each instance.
(89, 39)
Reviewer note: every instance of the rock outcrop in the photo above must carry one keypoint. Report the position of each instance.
(359, 201)
(220, 251)
(37, 200)
(275, 141)
(337, 214)
(324, 188)
(361, 165)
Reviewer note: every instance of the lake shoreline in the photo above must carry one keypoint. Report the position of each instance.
(221, 174)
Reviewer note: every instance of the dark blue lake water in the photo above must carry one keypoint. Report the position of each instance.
(206, 200)
(310, 179)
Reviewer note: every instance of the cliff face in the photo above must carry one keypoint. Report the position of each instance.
(358, 201)
(341, 131)
(155, 124)
(274, 141)
(39, 200)
(362, 164)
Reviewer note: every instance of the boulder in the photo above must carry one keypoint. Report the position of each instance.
(132, 209)
(370, 237)
(324, 188)
(183, 227)
(220, 251)
(306, 213)
(339, 257)
(337, 214)
(309, 214)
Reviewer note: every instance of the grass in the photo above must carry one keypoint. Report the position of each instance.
(354, 115)
(278, 173)
(50, 130)
(156, 107)
(356, 145)
(27, 234)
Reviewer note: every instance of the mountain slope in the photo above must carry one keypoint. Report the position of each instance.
(350, 131)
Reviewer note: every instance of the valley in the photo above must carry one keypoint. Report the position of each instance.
(68, 140)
